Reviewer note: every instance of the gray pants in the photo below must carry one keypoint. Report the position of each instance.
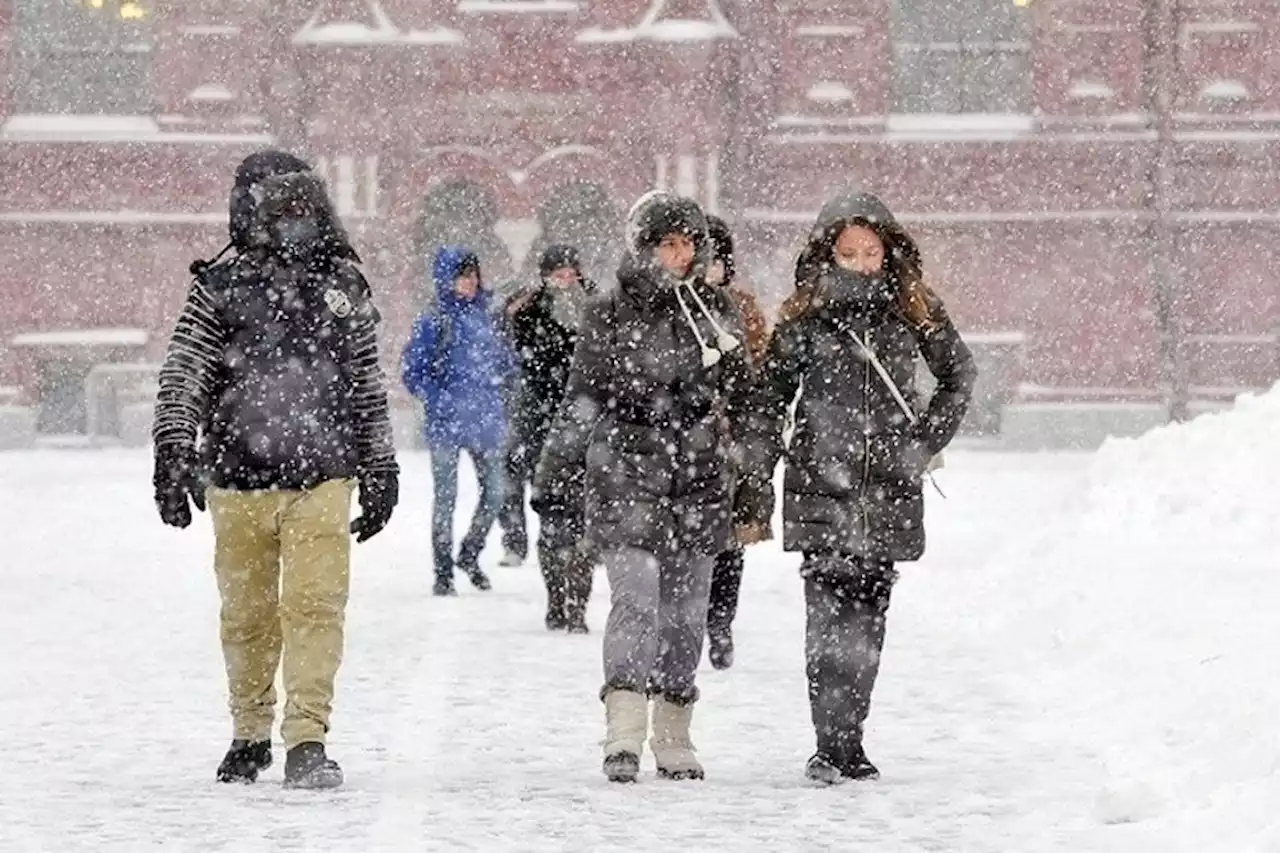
(653, 639)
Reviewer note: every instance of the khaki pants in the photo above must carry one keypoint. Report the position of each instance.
(282, 560)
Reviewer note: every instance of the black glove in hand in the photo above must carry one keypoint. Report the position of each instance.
(177, 478)
(379, 494)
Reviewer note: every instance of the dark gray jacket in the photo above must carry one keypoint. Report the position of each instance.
(855, 463)
(644, 436)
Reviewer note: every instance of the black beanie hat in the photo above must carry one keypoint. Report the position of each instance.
(558, 257)
(722, 246)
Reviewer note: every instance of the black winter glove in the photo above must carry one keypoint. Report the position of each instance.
(177, 478)
(379, 494)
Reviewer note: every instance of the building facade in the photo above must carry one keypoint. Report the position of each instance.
(1093, 181)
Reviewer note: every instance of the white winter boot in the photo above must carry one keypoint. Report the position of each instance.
(627, 723)
(672, 747)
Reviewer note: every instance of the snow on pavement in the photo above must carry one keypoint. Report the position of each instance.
(1012, 687)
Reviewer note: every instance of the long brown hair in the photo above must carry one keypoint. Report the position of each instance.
(917, 304)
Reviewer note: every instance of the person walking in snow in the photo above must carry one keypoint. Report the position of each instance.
(847, 340)
(271, 408)
(726, 578)
(542, 324)
(456, 362)
(644, 437)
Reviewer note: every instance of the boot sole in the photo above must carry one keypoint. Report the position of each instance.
(682, 775)
(323, 783)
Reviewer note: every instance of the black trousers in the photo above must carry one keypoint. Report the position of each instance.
(726, 583)
(846, 602)
(567, 569)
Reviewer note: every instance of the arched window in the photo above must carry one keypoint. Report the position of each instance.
(582, 215)
(961, 56)
(82, 57)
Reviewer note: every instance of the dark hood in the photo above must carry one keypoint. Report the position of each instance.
(853, 207)
(558, 257)
(245, 198)
(655, 215)
(449, 263)
(274, 194)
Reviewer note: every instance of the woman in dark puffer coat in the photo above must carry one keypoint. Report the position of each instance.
(659, 384)
(847, 341)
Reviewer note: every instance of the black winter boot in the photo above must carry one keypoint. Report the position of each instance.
(444, 587)
(720, 647)
(244, 760)
(856, 765)
(308, 767)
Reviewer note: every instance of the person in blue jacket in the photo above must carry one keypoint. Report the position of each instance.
(457, 362)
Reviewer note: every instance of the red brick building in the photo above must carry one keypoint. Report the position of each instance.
(1058, 158)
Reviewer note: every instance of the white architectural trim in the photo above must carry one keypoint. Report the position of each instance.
(519, 175)
(687, 175)
(383, 31)
(711, 183)
(661, 171)
(27, 127)
(518, 6)
(654, 26)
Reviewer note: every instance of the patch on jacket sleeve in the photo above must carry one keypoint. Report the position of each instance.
(339, 303)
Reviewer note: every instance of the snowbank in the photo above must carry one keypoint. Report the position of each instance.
(1143, 621)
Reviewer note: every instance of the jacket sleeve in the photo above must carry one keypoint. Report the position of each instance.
(189, 372)
(561, 472)
(951, 363)
(374, 434)
(785, 364)
(415, 360)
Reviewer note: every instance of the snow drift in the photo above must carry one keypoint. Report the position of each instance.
(1143, 621)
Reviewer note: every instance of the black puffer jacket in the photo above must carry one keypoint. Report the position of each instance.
(855, 462)
(643, 436)
(544, 346)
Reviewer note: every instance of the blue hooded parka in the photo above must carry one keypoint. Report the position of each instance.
(457, 363)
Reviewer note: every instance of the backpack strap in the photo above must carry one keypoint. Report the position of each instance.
(444, 339)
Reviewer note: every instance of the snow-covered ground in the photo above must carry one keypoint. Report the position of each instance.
(1086, 661)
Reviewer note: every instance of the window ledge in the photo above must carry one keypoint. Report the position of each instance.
(959, 125)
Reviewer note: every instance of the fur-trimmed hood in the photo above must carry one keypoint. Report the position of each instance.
(853, 207)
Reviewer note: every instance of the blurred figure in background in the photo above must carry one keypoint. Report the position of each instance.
(456, 362)
(542, 324)
(726, 578)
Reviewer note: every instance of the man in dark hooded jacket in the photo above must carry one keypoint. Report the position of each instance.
(272, 407)
(542, 324)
